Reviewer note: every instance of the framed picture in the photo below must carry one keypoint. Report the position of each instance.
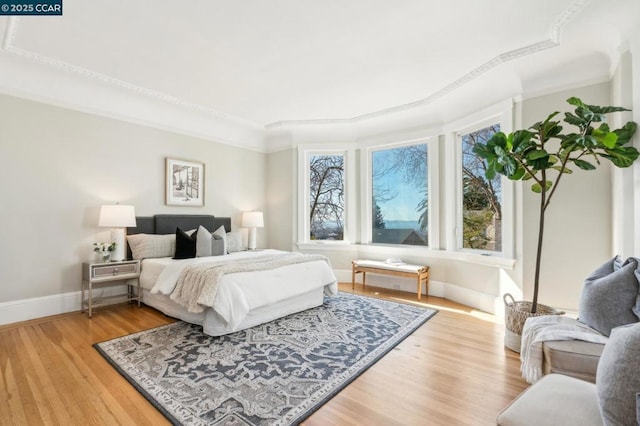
(184, 183)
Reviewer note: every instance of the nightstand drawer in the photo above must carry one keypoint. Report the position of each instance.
(114, 270)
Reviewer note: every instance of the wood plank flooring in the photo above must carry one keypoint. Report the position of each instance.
(454, 370)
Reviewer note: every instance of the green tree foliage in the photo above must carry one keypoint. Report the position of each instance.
(378, 219)
(475, 228)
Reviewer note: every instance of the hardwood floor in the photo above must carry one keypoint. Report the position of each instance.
(453, 370)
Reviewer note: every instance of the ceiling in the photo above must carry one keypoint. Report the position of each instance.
(262, 63)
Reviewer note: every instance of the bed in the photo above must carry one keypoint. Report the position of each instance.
(243, 299)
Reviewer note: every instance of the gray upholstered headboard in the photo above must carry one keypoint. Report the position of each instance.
(167, 224)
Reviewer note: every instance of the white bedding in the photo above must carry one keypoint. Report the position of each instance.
(243, 292)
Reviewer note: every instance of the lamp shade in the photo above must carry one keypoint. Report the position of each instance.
(252, 220)
(117, 216)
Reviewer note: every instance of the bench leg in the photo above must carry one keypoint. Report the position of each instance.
(419, 287)
(426, 285)
(353, 278)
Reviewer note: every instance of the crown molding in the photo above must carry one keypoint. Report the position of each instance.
(552, 41)
(9, 46)
(245, 128)
(29, 75)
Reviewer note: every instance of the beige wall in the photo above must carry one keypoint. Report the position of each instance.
(281, 186)
(59, 166)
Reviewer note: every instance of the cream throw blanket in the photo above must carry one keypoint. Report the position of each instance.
(198, 284)
(537, 330)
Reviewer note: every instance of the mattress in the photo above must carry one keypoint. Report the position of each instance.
(244, 299)
(213, 325)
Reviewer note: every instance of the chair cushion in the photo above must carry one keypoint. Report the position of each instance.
(574, 358)
(609, 295)
(554, 400)
(617, 379)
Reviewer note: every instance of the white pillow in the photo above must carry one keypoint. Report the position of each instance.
(234, 241)
(144, 246)
(220, 232)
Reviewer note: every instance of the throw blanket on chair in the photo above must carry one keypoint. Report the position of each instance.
(544, 328)
(197, 285)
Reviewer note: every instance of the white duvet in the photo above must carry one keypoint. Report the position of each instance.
(242, 292)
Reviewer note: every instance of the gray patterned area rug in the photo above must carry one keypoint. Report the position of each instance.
(277, 373)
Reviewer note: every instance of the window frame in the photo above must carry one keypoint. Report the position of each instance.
(304, 183)
(501, 114)
(366, 201)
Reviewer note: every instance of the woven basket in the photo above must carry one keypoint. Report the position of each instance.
(515, 314)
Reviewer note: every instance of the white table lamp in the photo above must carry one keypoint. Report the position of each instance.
(252, 220)
(117, 217)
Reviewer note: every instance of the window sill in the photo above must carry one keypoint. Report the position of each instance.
(326, 245)
(383, 251)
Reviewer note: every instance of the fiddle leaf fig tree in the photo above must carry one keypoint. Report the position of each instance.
(533, 155)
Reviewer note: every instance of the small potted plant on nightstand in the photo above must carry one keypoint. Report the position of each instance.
(103, 251)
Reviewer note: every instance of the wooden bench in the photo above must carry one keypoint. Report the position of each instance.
(421, 273)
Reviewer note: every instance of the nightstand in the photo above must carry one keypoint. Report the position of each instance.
(111, 273)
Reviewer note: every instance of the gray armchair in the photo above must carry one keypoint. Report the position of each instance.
(561, 400)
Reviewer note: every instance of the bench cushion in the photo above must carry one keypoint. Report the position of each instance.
(402, 267)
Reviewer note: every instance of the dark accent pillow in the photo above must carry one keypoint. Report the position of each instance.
(617, 378)
(609, 296)
(185, 244)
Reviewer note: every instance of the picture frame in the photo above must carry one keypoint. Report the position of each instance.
(184, 183)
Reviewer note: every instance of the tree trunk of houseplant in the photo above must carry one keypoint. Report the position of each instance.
(522, 155)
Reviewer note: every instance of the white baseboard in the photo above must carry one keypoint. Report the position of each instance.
(472, 298)
(37, 307)
(26, 309)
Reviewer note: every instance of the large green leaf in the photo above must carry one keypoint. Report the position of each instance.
(510, 166)
(500, 152)
(550, 128)
(573, 119)
(575, 101)
(569, 142)
(519, 174)
(537, 154)
(584, 165)
(520, 140)
(539, 164)
(584, 113)
(626, 133)
(586, 141)
(552, 131)
(483, 151)
(537, 188)
(621, 156)
(606, 109)
(604, 128)
(609, 140)
(491, 169)
(562, 169)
